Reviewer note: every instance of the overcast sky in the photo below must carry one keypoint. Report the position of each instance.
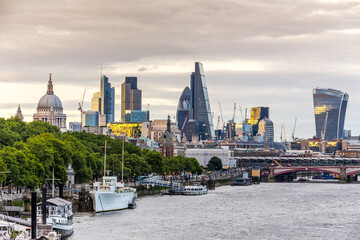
(255, 53)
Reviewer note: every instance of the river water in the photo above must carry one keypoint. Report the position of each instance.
(265, 211)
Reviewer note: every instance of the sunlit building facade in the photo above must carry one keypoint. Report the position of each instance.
(130, 96)
(125, 129)
(329, 109)
(200, 104)
(257, 114)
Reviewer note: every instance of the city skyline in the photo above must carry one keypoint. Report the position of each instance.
(253, 60)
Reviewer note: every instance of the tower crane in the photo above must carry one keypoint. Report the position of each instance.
(241, 114)
(222, 119)
(233, 118)
(80, 108)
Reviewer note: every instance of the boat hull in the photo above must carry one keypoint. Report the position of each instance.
(110, 201)
(64, 230)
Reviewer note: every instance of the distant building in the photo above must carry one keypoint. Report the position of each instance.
(90, 118)
(243, 131)
(266, 129)
(125, 129)
(203, 155)
(329, 109)
(49, 109)
(130, 96)
(184, 108)
(257, 114)
(137, 116)
(19, 113)
(75, 126)
(200, 104)
(156, 128)
(168, 143)
(96, 102)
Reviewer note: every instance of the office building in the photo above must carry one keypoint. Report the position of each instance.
(257, 114)
(266, 129)
(200, 104)
(183, 109)
(90, 118)
(137, 116)
(49, 108)
(75, 126)
(329, 109)
(130, 96)
(104, 101)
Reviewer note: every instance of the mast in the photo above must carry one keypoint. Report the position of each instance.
(53, 183)
(122, 162)
(104, 168)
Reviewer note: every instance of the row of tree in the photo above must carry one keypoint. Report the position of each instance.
(30, 151)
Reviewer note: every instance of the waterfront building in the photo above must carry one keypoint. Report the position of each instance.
(19, 113)
(183, 109)
(90, 118)
(137, 116)
(203, 155)
(266, 129)
(257, 114)
(130, 96)
(75, 126)
(329, 109)
(49, 108)
(200, 104)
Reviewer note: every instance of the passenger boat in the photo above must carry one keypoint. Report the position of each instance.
(59, 215)
(241, 182)
(195, 190)
(110, 195)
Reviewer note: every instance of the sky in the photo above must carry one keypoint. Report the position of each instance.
(255, 53)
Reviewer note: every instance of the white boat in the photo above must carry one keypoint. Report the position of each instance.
(195, 190)
(112, 196)
(59, 215)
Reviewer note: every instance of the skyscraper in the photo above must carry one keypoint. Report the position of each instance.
(183, 108)
(104, 101)
(257, 114)
(266, 129)
(130, 96)
(329, 109)
(200, 103)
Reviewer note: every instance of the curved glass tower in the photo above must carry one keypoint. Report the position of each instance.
(184, 107)
(329, 109)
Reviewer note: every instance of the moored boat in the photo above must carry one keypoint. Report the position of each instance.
(195, 190)
(241, 182)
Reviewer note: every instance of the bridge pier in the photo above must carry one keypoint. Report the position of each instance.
(271, 177)
(343, 176)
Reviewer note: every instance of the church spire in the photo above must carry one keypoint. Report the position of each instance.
(50, 90)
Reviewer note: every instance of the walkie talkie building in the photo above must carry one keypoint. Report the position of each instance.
(329, 109)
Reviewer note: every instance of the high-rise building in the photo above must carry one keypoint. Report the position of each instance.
(329, 109)
(75, 126)
(184, 107)
(257, 114)
(130, 96)
(107, 99)
(266, 129)
(90, 118)
(200, 104)
(137, 116)
(96, 102)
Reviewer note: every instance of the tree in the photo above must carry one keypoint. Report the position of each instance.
(156, 161)
(215, 163)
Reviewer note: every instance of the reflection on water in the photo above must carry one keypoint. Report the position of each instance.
(265, 211)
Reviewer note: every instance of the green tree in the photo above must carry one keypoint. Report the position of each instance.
(156, 161)
(215, 163)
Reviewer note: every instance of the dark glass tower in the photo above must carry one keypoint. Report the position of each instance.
(130, 96)
(257, 114)
(184, 107)
(200, 104)
(329, 109)
(107, 99)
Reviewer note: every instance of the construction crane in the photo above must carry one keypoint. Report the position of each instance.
(245, 114)
(233, 118)
(147, 112)
(80, 108)
(185, 121)
(217, 127)
(281, 133)
(222, 119)
(323, 132)
(241, 114)
(293, 131)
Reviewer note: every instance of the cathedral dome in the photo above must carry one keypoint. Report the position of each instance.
(47, 101)
(50, 99)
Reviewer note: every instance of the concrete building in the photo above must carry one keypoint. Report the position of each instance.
(50, 110)
(203, 155)
(156, 128)
(130, 96)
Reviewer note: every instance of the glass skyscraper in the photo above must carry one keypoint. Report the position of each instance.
(200, 104)
(130, 96)
(257, 114)
(184, 107)
(107, 99)
(329, 109)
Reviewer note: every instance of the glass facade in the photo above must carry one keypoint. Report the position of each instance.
(90, 118)
(137, 116)
(200, 104)
(130, 96)
(257, 114)
(107, 99)
(184, 107)
(329, 109)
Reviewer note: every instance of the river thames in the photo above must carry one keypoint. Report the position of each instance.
(265, 211)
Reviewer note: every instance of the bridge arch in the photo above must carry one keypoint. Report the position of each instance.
(333, 170)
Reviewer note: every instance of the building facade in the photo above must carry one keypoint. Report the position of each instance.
(200, 104)
(329, 109)
(183, 109)
(257, 114)
(90, 118)
(266, 129)
(137, 116)
(75, 126)
(19, 113)
(130, 96)
(49, 109)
